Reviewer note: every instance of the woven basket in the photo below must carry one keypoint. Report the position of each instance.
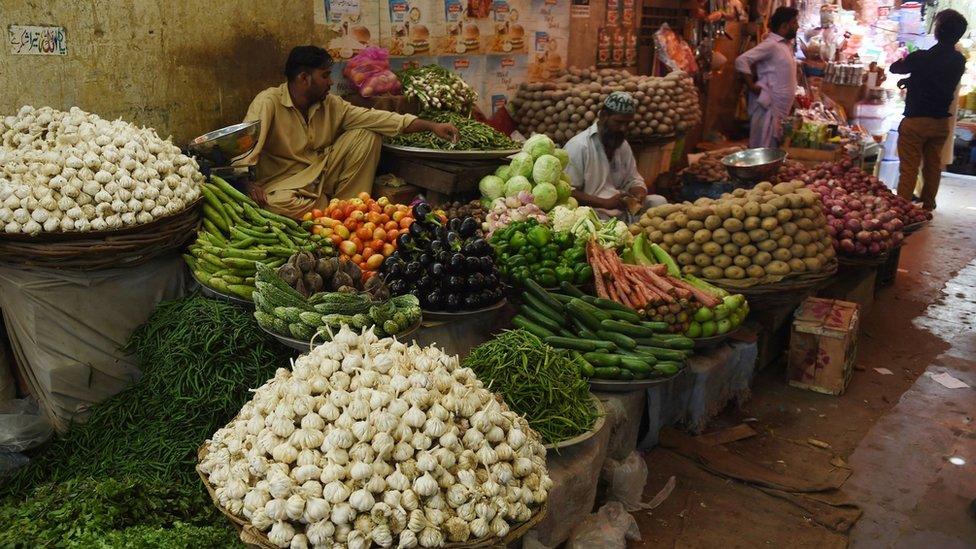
(789, 289)
(863, 260)
(92, 251)
(252, 537)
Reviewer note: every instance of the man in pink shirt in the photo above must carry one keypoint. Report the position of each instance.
(769, 70)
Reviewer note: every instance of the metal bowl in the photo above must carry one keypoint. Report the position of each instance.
(754, 164)
(224, 146)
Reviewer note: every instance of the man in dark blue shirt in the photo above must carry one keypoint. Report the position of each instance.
(935, 75)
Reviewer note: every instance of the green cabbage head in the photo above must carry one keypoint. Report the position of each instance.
(491, 186)
(545, 195)
(562, 155)
(546, 169)
(504, 172)
(538, 145)
(521, 165)
(517, 184)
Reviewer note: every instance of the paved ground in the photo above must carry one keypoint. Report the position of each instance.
(896, 432)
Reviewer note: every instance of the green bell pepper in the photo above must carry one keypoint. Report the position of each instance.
(565, 274)
(517, 241)
(539, 236)
(583, 274)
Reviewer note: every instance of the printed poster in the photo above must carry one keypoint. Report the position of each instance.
(354, 28)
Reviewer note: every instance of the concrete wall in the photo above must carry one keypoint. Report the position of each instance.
(184, 67)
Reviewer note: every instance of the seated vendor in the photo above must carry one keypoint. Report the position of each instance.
(314, 146)
(602, 168)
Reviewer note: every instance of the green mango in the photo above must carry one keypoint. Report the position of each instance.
(694, 330)
(708, 328)
(723, 326)
(704, 314)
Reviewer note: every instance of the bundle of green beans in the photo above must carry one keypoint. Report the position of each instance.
(237, 235)
(437, 88)
(538, 381)
(475, 136)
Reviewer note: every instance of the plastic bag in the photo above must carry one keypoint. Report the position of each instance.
(609, 528)
(626, 480)
(22, 425)
(369, 73)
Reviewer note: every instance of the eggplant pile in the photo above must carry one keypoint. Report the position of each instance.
(448, 267)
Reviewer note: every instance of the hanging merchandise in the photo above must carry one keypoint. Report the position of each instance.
(674, 51)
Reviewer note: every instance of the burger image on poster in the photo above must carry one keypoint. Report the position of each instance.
(351, 39)
(471, 38)
(516, 37)
(419, 40)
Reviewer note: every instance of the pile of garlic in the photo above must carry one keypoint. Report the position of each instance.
(73, 171)
(368, 441)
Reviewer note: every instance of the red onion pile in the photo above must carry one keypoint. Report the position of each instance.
(863, 216)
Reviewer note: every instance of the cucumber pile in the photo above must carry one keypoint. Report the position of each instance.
(237, 236)
(281, 309)
(612, 339)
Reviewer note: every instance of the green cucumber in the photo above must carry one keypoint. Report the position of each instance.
(654, 325)
(606, 304)
(583, 315)
(585, 345)
(597, 312)
(602, 360)
(626, 328)
(538, 291)
(668, 368)
(626, 316)
(606, 372)
(555, 315)
(573, 291)
(626, 375)
(531, 327)
(539, 318)
(562, 298)
(622, 341)
(668, 341)
(662, 354)
(636, 365)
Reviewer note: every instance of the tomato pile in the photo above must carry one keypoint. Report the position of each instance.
(363, 230)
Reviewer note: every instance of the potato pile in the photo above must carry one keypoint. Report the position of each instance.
(708, 169)
(568, 104)
(769, 230)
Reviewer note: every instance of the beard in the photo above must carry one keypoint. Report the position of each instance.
(790, 35)
(612, 140)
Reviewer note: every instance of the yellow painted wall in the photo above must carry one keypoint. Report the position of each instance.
(184, 67)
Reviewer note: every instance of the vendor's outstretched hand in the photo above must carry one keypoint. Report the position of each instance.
(257, 194)
(447, 132)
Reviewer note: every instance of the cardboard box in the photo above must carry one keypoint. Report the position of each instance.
(823, 345)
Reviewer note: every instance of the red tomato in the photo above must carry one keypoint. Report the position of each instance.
(336, 239)
(373, 217)
(317, 213)
(392, 235)
(379, 234)
(376, 244)
(397, 216)
(357, 215)
(405, 222)
(391, 226)
(363, 196)
(357, 259)
(364, 234)
(388, 249)
(358, 243)
(342, 231)
(368, 252)
(308, 216)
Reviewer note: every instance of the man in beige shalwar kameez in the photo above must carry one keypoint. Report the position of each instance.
(314, 146)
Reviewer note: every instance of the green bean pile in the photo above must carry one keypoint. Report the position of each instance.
(475, 136)
(538, 381)
(126, 478)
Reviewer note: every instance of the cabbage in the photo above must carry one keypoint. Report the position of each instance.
(563, 190)
(486, 203)
(572, 203)
(538, 145)
(562, 155)
(517, 184)
(546, 169)
(545, 195)
(504, 172)
(491, 186)
(521, 165)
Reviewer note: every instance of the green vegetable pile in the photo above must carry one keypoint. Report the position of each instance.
(437, 88)
(281, 309)
(527, 250)
(538, 381)
(237, 235)
(199, 357)
(475, 136)
(616, 344)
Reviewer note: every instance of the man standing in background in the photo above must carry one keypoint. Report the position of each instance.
(769, 70)
(935, 75)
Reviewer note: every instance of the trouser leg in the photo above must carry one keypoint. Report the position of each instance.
(350, 166)
(932, 161)
(909, 155)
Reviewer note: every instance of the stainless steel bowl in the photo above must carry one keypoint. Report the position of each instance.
(754, 164)
(224, 146)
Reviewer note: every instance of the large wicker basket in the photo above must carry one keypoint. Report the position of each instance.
(252, 537)
(780, 290)
(105, 249)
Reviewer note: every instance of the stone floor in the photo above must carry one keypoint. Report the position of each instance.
(896, 432)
